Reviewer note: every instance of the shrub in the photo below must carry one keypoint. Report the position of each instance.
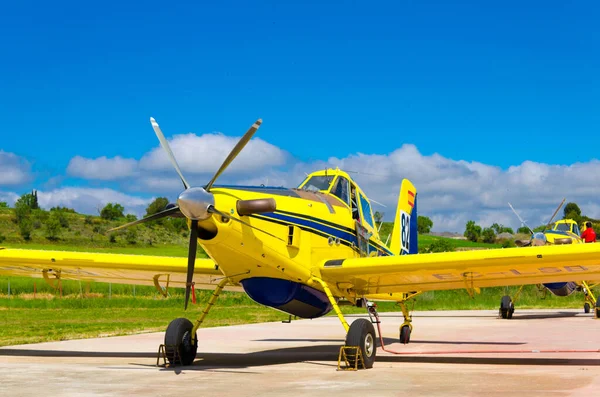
(441, 245)
(52, 227)
(25, 228)
(508, 244)
(131, 235)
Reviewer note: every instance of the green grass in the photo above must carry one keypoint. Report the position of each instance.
(51, 318)
(425, 240)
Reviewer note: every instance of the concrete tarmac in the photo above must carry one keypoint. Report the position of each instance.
(451, 353)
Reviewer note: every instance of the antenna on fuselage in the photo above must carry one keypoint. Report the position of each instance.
(521, 219)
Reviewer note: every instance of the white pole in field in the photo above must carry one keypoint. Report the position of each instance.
(109, 290)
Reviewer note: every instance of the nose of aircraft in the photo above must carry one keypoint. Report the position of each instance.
(195, 202)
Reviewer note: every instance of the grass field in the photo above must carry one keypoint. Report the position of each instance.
(49, 317)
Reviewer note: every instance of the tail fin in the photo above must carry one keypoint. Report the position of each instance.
(404, 238)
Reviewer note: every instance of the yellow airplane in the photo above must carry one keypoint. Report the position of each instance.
(564, 231)
(305, 252)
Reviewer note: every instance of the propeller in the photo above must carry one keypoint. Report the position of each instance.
(191, 260)
(197, 203)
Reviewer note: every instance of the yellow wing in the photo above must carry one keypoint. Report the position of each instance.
(469, 269)
(114, 268)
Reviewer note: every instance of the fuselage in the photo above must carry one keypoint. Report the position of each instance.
(312, 224)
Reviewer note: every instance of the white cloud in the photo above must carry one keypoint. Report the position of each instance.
(9, 197)
(451, 192)
(101, 168)
(205, 153)
(91, 200)
(14, 170)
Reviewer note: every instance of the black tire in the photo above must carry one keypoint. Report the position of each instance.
(362, 334)
(405, 334)
(506, 307)
(586, 308)
(598, 308)
(178, 336)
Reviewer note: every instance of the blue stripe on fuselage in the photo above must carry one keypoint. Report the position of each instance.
(328, 230)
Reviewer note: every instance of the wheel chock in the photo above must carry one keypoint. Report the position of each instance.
(351, 356)
(162, 353)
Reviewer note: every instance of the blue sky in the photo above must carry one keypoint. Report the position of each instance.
(498, 84)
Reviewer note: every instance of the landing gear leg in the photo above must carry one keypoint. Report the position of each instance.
(589, 299)
(360, 333)
(181, 341)
(406, 327)
(507, 304)
(507, 307)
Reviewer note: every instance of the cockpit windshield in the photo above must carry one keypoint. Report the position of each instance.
(563, 227)
(318, 182)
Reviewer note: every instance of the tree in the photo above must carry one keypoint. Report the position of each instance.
(130, 218)
(472, 231)
(570, 208)
(378, 216)
(524, 229)
(488, 235)
(53, 227)
(112, 211)
(30, 200)
(4, 205)
(158, 205)
(424, 225)
(501, 229)
(574, 215)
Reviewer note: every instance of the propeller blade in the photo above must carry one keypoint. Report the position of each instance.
(522, 243)
(162, 214)
(167, 148)
(213, 210)
(191, 261)
(521, 219)
(234, 152)
(553, 215)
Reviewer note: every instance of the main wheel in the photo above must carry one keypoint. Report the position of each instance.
(405, 334)
(362, 334)
(507, 308)
(586, 307)
(598, 308)
(178, 342)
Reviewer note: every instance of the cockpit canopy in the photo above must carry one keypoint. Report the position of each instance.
(338, 183)
(567, 225)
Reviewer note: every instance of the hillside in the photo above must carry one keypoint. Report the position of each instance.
(80, 232)
(87, 231)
